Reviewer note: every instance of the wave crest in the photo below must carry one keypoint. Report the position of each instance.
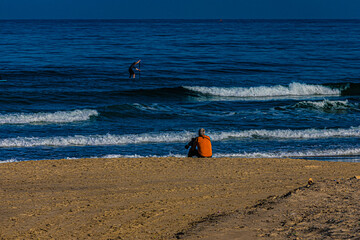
(309, 153)
(294, 89)
(326, 105)
(42, 117)
(173, 137)
(94, 140)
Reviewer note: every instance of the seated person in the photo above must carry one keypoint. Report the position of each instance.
(200, 146)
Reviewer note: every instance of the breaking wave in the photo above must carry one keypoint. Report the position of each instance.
(350, 154)
(173, 137)
(8, 161)
(326, 105)
(94, 140)
(309, 153)
(293, 89)
(289, 134)
(46, 118)
(278, 154)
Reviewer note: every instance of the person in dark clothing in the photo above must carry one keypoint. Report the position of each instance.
(131, 69)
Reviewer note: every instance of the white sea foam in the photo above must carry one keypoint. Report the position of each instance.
(294, 89)
(350, 154)
(152, 107)
(279, 154)
(140, 156)
(290, 134)
(44, 117)
(325, 105)
(173, 137)
(94, 140)
(8, 161)
(308, 153)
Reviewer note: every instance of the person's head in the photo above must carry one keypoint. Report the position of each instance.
(201, 132)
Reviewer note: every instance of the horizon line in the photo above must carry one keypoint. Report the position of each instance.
(179, 19)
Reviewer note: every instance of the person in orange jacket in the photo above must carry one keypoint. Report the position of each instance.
(200, 146)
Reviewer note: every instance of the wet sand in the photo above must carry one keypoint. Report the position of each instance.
(147, 198)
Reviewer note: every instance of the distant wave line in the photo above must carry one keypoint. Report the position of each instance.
(293, 89)
(278, 154)
(327, 105)
(174, 137)
(348, 152)
(307, 153)
(48, 117)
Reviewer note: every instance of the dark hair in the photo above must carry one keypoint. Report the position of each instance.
(201, 131)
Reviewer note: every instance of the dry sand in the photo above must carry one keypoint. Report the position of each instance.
(161, 198)
(325, 210)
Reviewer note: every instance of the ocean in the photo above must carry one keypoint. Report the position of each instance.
(260, 88)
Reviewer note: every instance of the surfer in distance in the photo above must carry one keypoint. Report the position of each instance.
(131, 69)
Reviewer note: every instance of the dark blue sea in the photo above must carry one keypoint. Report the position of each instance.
(260, 88)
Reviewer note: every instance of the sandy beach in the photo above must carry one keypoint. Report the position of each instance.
(165, 198)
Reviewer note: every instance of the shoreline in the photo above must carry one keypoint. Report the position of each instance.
(142, 198)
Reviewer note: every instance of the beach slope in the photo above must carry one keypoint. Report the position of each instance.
(142, 198)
